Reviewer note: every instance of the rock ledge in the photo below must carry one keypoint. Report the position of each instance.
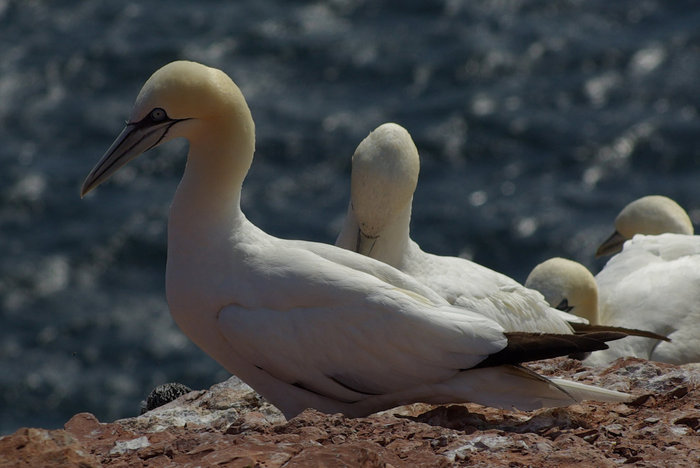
(230, 426)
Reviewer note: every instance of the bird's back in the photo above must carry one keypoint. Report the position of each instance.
(654, 284)
(475, 287)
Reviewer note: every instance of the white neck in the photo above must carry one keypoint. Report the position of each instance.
(393, 244)
(208, 196)
(204, 225)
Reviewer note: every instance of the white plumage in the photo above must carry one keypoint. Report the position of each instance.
(306, 325)
(652, 284)
(654, 281)
(385, 170)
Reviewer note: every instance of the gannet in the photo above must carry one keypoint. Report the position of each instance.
(385, 169)
(650, 215)
(653, 284)
(566, 285)
(306, 325)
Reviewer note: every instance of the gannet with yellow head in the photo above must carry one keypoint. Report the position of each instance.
(649, 286)
(650, 216)
(306, 324)
(385, 169)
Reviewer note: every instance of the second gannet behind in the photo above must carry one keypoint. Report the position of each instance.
(385, 170)
(650, 215)
(308, 325)
(653, 285)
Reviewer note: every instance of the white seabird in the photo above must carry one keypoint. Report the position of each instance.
(567, 285)
(385, 169)
(653, 284)
(650, 215)
(307, 325)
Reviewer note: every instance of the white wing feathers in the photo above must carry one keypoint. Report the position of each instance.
(494, 295)
(653, 284)
(368, 344)
(360, 347)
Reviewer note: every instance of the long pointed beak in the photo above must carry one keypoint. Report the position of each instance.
(364, 244)
(135, 139)
(612, 245)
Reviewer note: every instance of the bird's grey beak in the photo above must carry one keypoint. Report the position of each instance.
(612, 245)
(136, 138)
(365, 244)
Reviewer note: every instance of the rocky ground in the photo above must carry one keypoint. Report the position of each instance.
(230, 426)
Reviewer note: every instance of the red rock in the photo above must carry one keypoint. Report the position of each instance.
(230, 426)
(43, 448)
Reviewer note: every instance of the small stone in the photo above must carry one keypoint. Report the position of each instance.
(640, 400)
(692, 422)
(678, 392)
(615, 430)
(441, 441)
(589, 436)
(622, 409)
(122, 446)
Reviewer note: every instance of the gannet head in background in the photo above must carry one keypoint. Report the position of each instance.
(181, 99)
(650, 215)
(568, 286)
(385, 169)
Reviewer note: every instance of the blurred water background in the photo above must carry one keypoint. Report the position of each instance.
(536, 122)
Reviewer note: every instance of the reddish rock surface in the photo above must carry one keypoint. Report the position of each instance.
(230, 426)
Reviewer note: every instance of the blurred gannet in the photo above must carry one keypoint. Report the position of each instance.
(654, 284)
(650, 215)
(308, 325)
(385, 170)
(566, 285)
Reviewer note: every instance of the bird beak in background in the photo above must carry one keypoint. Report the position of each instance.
(135, 139)
(612, 245)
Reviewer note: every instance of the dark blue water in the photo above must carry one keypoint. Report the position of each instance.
(536, 122)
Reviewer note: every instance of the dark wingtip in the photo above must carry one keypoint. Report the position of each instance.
(587, 328)
(526, 347)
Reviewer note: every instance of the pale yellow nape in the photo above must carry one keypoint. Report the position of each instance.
(559, 279)
(653, 215)
(190, 90)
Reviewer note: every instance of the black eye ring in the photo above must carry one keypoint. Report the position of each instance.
(158, 115)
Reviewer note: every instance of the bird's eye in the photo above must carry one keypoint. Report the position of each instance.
(564, 305)
(158, 114)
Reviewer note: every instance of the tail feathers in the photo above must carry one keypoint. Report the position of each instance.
(580, 392)
(507, 387)
(512, 387)
(587, 328)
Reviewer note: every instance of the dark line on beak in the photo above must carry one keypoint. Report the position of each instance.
(146, 135)
(167, 129)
